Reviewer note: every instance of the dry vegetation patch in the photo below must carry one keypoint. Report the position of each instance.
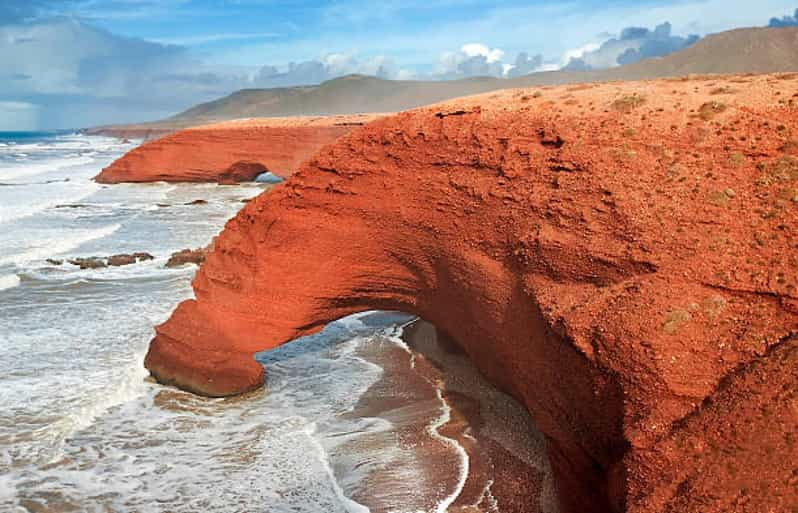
(628, 103)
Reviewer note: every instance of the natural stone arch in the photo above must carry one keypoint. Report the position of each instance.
(528, 240)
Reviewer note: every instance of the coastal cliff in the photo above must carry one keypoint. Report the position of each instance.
(620, 258)
(230, 152)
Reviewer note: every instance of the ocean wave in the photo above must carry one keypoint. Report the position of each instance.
(14, 212)
(128, 385)
(138, 272)
(9, 281)
(348, 504)
(20, 171)
(49, 247)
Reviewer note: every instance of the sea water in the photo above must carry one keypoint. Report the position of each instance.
(82, 428)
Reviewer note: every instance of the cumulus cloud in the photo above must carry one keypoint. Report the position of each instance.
(326, 67)
(472, 60)
(524, 65)
(478, 60)
(786, 21)
(633, 44)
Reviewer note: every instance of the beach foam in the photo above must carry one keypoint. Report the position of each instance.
(9, 281)
(30, 169)
(67, 193)
(463, 462)
(57, 244)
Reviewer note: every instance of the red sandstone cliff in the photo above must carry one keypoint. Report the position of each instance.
(621, 258)
(229, 152)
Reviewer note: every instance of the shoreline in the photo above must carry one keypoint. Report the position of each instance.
(479, 455)
(510, 471)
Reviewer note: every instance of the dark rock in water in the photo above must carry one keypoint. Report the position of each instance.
(120, 260)
(89, 263)
(101, 262)
(246, 200)
(198, 202)
(268, 177)
(127, 259)
(187, 256)
(72, 205)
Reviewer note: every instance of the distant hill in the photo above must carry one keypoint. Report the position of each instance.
(748, 50)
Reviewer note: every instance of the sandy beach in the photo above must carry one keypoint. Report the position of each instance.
(482, 452)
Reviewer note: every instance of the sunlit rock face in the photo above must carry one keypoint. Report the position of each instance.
(620, 258)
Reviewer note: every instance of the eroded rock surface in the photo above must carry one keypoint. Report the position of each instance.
(620, 258)
(230, 152)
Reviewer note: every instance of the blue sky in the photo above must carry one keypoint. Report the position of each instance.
(80, 62)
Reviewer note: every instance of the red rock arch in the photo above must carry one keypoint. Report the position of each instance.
(532, 239)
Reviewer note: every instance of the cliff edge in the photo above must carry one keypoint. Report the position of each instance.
(621, 258)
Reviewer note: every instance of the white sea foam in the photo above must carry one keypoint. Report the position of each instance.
(395, 336)
(127, 386)
(58, 244)
(8, 491)
(22, 170)
(348, 504)
(76, 192)
(9, 281)
(441, 421)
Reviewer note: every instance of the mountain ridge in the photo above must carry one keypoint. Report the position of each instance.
(745, 50)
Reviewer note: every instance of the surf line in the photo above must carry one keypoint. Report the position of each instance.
(348, 504)
(444, 418)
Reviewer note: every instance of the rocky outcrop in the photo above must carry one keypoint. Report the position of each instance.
(187, 256)
(102, 262)
(230, 152)
(621, 259)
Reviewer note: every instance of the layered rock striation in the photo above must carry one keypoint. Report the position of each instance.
(230, 152)
(620, 258)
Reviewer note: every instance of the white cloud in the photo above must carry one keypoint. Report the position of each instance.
(578, 53)
(473, 59)
(631, 45)
(479, 50)
(80, 75)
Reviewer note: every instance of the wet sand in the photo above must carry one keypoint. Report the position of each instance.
(481, 455)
